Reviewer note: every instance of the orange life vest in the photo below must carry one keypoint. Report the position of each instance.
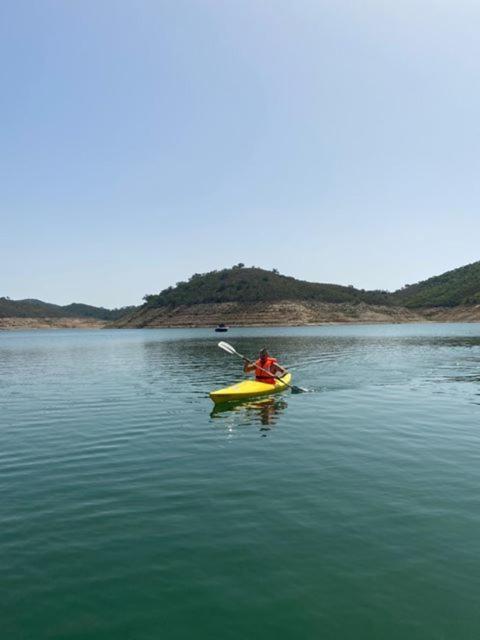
(262, 376)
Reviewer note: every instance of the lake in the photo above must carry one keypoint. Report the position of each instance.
(130, 509)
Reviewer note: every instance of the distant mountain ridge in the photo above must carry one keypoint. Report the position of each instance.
(32, 308)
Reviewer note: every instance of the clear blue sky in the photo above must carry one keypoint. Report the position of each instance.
(142, 141)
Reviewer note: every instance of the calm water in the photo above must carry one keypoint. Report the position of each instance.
(130, 510)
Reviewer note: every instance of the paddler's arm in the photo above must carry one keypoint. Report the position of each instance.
(248, 366)
(279, 370)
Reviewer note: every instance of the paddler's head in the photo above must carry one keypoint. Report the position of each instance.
(263, 354)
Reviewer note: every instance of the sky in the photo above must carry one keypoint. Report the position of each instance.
(142, 141)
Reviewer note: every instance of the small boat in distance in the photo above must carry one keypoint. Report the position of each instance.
(221, 327)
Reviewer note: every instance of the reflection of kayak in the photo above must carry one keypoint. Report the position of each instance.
(249, 405)
(240, 405)
(249, 389)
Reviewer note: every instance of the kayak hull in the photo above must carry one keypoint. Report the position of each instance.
(248, 389)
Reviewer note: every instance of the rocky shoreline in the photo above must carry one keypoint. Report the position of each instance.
(12, 324)
(289, 313)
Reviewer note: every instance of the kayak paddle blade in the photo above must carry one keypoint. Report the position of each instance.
(298, 390)
(227, 347)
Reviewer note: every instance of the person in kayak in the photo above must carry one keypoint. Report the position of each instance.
(264, 366)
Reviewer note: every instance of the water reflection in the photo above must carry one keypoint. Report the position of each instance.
(265, 413)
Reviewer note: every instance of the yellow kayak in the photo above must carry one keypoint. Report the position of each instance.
(249, 389)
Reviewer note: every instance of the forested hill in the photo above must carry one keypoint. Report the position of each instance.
(451, 289)
(251, 284)
(38, 309)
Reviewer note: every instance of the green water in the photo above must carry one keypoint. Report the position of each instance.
(130, 510)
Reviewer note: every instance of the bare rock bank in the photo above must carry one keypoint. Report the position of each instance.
(470, 313)
(51, 323)
(286, 313)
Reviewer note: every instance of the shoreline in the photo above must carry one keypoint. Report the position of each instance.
(285, 313)
(51, 325)
(289, 313)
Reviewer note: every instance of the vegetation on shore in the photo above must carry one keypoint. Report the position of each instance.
(251, 284)
(457, 287)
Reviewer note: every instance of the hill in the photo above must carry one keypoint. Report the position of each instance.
(31, 308)
(253, 296)
(251, 284)
(451, 289)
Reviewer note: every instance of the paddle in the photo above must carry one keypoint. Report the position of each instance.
(232, 351)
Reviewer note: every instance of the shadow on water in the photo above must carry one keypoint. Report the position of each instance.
(265, 413)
